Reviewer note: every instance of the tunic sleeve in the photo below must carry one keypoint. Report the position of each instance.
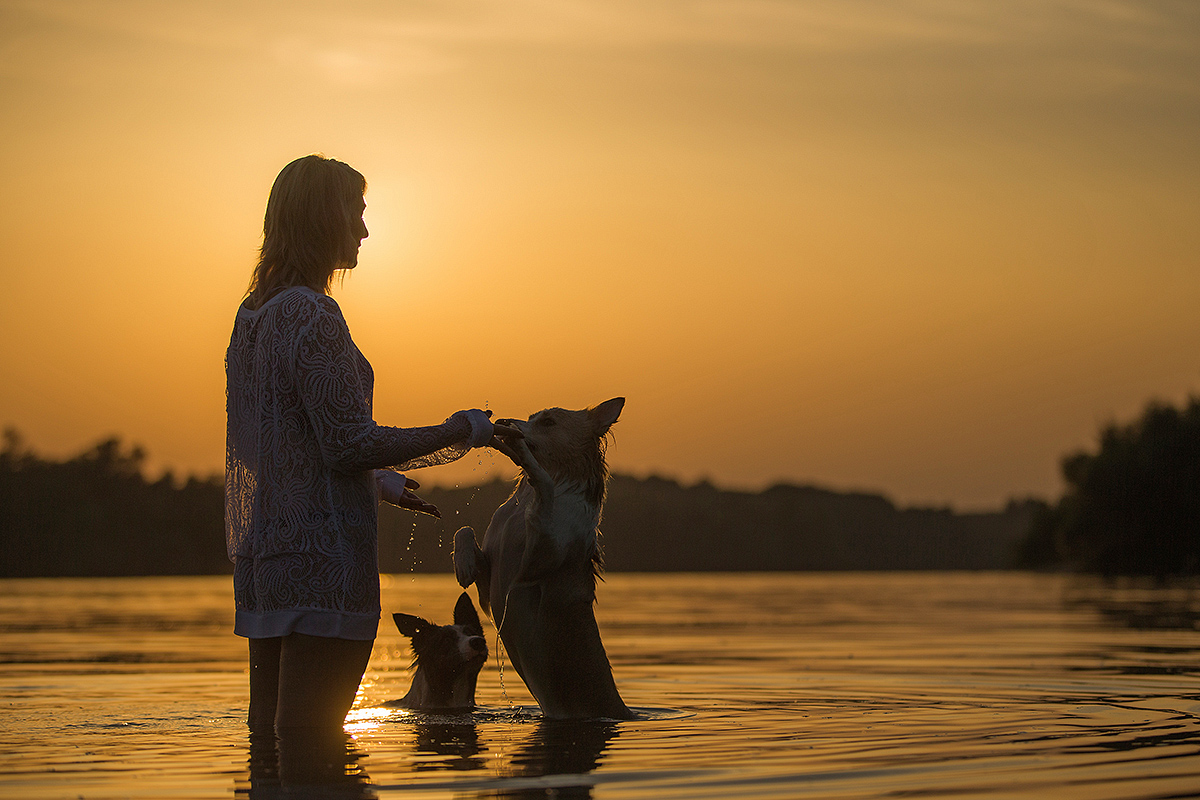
(336, 397)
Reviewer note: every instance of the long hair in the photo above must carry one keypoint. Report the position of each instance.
(308, 226)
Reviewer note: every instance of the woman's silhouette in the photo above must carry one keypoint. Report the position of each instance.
(302, 454)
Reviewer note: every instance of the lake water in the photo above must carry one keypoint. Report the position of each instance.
(774, 685)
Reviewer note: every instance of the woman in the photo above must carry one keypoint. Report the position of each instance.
(302, 450)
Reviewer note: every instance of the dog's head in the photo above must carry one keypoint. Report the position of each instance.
(447, 654)
(570, 444)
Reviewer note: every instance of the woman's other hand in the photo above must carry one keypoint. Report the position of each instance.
(398, 490)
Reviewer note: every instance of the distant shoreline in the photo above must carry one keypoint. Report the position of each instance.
(97, 515)
(658, 525)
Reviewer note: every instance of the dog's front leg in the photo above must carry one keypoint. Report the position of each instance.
(537, 476)
(541, 551)
(469, 560)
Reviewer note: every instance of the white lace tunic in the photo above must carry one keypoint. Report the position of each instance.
(300, 496)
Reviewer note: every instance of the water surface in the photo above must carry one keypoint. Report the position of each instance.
(770, 685)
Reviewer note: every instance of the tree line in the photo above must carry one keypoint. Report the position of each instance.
(659, 525)
(1131, 507)
(98, 514)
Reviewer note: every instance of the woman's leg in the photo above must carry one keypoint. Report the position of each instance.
(318, 678)
(264, 684)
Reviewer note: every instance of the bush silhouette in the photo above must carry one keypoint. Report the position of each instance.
(1133, 506)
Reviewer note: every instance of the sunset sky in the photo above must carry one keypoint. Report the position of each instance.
(924, 248)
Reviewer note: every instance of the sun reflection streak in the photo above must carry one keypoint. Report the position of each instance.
(361, 720)
(365, 718)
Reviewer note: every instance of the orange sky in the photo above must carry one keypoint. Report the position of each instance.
(923, 248)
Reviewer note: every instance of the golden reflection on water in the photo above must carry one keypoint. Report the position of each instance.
(361, 719)
(764, 685)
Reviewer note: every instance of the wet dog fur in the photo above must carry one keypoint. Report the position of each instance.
(536, 568)
(447, 659)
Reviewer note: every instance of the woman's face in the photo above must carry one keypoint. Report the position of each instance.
(358, 232)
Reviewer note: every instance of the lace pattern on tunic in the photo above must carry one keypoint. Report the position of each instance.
(300, 502)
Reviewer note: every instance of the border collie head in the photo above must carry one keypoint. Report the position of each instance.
(570, 444)
(447, 657)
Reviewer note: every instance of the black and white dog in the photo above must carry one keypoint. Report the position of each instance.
(447, 659)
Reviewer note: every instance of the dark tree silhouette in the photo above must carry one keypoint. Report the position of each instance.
(1133, 506)
(96, 514)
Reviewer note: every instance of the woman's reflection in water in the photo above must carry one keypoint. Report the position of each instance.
(312, 764)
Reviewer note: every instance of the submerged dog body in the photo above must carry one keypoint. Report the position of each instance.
(447, 657)
(536, 570)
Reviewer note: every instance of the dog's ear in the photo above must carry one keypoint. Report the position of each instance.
(605, 414)
(466, 616)
(409, 625)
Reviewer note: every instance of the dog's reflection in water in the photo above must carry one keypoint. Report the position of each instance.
(562, 747)
(555, 747)
(308, 765)
(448, 746)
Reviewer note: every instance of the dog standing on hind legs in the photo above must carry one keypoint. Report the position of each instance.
(537, 567)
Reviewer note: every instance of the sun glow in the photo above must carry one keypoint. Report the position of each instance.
(924, 250)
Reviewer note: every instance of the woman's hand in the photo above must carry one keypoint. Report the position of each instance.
(397, 490)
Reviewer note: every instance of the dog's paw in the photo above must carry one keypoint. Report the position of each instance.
(467, 557)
